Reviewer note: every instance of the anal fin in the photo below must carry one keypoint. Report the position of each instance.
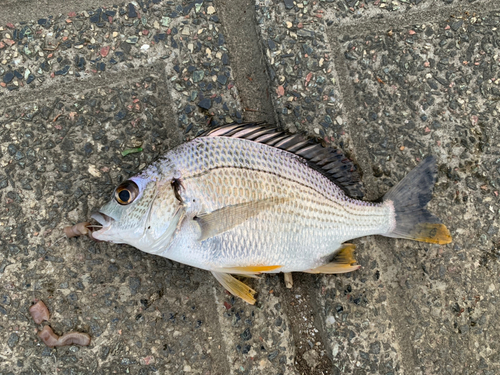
(343, 262)
(235, 287)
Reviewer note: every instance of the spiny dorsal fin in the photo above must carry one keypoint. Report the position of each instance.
(330, 162)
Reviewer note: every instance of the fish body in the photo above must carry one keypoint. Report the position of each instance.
(229, 204)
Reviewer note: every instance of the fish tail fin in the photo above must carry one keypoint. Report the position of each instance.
(409, 198)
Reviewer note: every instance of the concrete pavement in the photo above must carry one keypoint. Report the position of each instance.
(389, 82)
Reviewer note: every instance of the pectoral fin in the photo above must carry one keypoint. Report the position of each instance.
(226, 218)
(235, 287)
(342, 263)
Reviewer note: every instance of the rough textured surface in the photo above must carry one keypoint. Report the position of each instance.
(387, 81)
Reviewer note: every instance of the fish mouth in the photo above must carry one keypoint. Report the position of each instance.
(103, 219)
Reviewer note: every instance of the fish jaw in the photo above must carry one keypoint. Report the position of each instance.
(105, 233)
(112, 229)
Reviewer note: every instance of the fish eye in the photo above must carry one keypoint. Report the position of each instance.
(126, 192)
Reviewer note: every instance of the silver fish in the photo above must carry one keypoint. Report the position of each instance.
(249, 199)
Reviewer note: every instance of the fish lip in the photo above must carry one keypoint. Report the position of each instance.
(102, 219)
(106, 222)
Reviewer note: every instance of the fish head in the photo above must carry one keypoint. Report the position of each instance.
(125, 216)
(140, 211)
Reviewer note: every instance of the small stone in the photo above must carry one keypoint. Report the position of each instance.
(288, 4)
(132, 39)
(185, 30)
(156, 25)
(222, 79)
(165, 21)
(457, 25)
(246, 335)
(205, 103)
(63, 71)
(305, 33)
(104, 51)
(273, 355)
(134, 284)
(131, 11)
(375, 347)
(8, 77)
(198, 75)
(13, 340)
(210, 10)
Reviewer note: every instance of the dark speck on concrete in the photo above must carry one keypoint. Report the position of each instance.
(288, 4)
(273, 355)
(131, 11)
(222, 79)
(205, 103)
(134, 284)
(246, 335)
(9, 76)
(13, 340)
(63, 71)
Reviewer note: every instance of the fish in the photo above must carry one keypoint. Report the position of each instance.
(250, 199)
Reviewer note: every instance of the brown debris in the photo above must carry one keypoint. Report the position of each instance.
(50, 339)
(39, 312)
(79, 229)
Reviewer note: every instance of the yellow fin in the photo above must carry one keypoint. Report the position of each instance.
(432, 233)
(226, 218)
(235, 287)
(249, 269)
(342, 263)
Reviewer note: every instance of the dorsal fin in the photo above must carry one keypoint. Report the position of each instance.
(330, 162)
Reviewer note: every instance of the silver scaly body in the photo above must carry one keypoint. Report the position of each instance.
(315, 218)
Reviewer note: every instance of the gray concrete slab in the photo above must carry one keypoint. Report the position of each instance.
(388, 82)
(247, 59)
